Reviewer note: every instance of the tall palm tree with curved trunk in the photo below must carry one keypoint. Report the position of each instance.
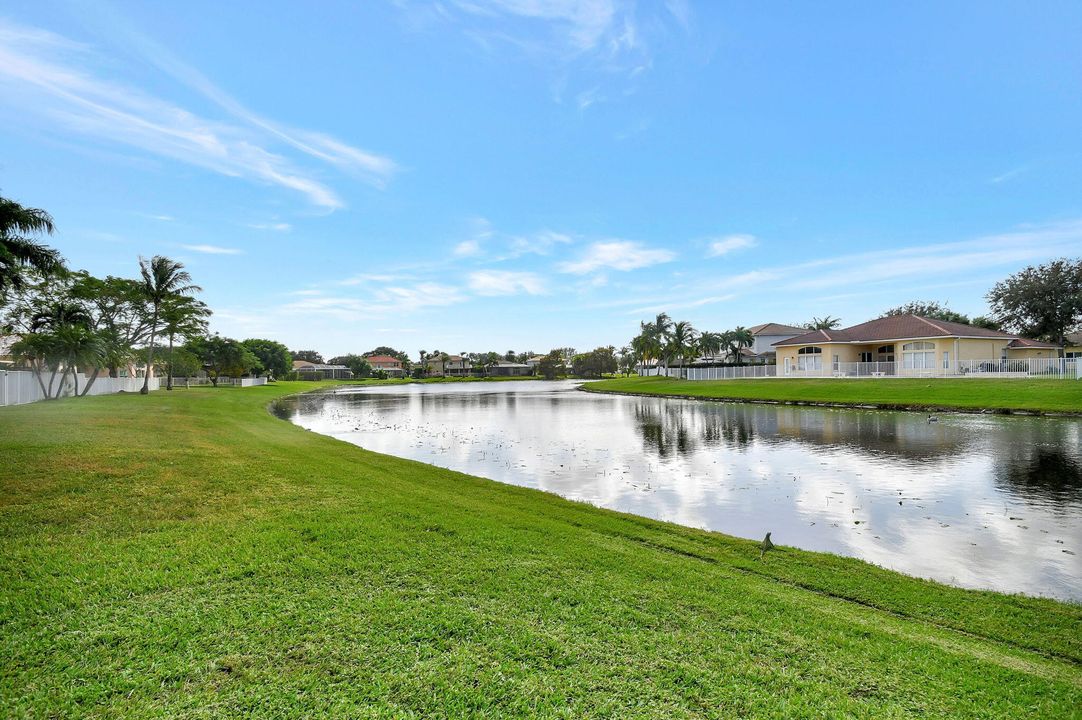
(162, 279)
(18, 250)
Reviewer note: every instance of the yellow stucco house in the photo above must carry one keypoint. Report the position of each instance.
(906, 345)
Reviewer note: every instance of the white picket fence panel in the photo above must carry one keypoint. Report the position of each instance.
(19, 387)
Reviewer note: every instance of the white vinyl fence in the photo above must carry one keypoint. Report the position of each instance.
(1052, 368)
(222, 382)
(18, 387)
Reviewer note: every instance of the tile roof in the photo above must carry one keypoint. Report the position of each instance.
(1026, 342)
(381, 359)
(776, 329)
(894, 327)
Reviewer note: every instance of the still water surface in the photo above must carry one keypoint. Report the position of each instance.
(973, 500)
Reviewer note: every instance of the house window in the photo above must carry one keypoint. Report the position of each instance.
(1072, 355)
(865, 357)
(809, 358)
(918, 356)
(885, 353)
(946, 360)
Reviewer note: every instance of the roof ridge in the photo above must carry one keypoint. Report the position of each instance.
(929, 322)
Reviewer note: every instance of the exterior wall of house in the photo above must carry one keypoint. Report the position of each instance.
(981, 349)
(956, 349)
(1030, 353)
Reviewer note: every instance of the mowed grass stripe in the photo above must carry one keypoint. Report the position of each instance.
(190, 555)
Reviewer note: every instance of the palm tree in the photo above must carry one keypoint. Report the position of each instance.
(825, 323)
(18, 250)
(681, 343)
(710, 344)
(162, 278)
(741, 338)
(181, 317)
(76, 346)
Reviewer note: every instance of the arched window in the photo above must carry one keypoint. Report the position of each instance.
(809, 358)
(918, 355)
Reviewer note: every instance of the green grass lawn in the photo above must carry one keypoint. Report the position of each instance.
(186, 554)
(998, 394)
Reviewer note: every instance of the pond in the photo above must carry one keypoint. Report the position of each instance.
(979, 501)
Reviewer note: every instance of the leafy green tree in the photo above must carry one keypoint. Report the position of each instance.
(223, 357)
(18, 249)
(930, 309)
(551, 365)
(162, 279)
(273, 356)
(358, 364)
(308, 356)
(1041, 302)
(184, 363)
(595, 363)
(122, 315)
(983, 321)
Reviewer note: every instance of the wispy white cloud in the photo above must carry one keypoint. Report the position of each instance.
(1009, 175)
(275, 226)
(681, 304)
(365, 278)
(53, 79)
(506, 282)
(617, 255)
(539, 243)
(730, 243)
(213, 250)
(467, 248)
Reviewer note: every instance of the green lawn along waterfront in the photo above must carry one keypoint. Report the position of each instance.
(1044, 396)
(188, 554)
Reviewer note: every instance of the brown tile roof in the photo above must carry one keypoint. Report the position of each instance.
(1026, 342)
(381, 359)
(776, 329)
(895, 327)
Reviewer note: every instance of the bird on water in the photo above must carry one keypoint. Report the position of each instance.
(765, 545)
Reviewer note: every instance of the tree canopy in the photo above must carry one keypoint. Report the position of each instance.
(273, 356)
(1042, 302)
(930, 309)
(18, 248)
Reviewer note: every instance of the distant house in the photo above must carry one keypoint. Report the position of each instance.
(453, 366)
(391, 365)
(534, 361)
(509, 369)
(904, 345)
(316, 371)
(765, 335)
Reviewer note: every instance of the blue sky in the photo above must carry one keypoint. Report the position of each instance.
(497, 174)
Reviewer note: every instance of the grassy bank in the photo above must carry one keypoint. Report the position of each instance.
(187, 554)
(1062, 396)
